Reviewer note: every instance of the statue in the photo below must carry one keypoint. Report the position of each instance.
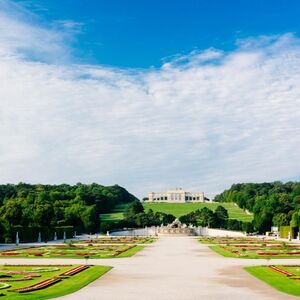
(39, 238)
(17, 239)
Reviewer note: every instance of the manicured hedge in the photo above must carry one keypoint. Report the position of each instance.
(284, 231)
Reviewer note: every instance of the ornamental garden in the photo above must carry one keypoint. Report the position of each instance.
(50, 281)
(253, 248)
(45, 282)
(285, 278)
(73, 251)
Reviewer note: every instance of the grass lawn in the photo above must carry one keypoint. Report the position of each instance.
(278, 281)
(180, 209)
(65, 286)
(115, 215)
(131, 251)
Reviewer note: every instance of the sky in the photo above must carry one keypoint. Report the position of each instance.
(149, 95)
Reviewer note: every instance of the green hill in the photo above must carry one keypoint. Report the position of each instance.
(115, 215)
(180, 209)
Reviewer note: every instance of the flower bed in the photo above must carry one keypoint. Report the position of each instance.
(96, 251)
(40, 285)
(44, 269)
(74, 271)
(9, 253)
(284, 272)
(4, 286)
(28, 276)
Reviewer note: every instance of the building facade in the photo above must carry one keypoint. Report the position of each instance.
(177, 195)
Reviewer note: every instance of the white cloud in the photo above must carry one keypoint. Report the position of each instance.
(202, 121)
(20, 36)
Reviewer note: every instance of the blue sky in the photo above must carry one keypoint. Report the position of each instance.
(149, 95)
(139, 33)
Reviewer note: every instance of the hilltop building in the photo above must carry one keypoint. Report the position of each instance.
(177, 195)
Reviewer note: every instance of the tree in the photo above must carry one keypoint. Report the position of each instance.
(222, 216)
(280, 219)
(133, 208)
(207, 218)
(262, 222)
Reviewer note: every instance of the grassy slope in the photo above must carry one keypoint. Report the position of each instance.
(276, 280)
(115, 215)
(179, 209)
(64, 287)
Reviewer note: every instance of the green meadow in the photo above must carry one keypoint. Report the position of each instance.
(180, 209)
(115, 215)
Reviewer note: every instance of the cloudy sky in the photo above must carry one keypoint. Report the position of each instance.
(203, 117)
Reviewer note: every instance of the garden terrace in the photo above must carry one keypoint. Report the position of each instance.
(73, 251)
(45, 281)
(283, 278)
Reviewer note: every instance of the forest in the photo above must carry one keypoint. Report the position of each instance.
(273, 204)
(30, 209)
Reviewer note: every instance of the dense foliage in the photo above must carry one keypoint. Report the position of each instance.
(50, 207)
(215, 219)
(274, 203)
(136, 217)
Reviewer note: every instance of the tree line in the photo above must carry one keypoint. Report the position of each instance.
(33, 208)
(135, 216)
(273, 204)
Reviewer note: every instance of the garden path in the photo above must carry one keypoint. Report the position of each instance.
(178, 268)
(173, 268)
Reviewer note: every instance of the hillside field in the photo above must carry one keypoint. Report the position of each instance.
(114, 216)
(180, 209)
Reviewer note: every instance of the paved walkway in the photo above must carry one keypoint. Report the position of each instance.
(173, 268)
(179, 268)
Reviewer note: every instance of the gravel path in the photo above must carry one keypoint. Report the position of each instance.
(174, 268)
(179, 268)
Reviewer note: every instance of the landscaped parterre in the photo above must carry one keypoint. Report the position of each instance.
(45, 281)
(73, 251)
(253, 248)
(283, 278)
(119, 240)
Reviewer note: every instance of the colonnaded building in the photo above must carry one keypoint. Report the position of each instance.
(175, 195)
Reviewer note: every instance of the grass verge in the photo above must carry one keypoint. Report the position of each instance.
(279, 282)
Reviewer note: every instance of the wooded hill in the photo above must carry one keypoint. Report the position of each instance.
(30, 209)
(273, 203)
